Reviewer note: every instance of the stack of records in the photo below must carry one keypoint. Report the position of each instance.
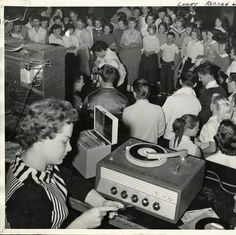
(90, 139)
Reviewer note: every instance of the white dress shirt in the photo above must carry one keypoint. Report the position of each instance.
(146, 121)
(209, 130)
(194, 49)
(183, 101)
(39, 36)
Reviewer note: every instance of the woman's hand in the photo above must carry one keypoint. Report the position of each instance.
(115, 204)
(91, 218)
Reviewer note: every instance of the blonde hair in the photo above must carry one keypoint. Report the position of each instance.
(222, 106)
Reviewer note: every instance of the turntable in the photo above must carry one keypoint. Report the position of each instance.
(155, 180)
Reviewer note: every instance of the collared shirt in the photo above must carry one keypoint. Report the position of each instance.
(223, 159)
(209, 130)
(194, 49)
(39, 36)
(169, 52)
(231, 68)
(211, 84)
(145, 120)
(185, 143)
(151, 43)
(183, 101)
(56, 40)
(112, 59)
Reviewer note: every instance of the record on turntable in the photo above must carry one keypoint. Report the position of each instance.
(138, 154)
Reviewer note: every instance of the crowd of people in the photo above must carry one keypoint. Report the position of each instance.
(134, 52)
(137, 50)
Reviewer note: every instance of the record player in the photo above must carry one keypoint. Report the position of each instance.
(95, 144)
(155, 180)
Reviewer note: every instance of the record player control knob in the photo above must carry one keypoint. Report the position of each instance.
(145, 202)
(156, 206)
(124, 194)
(114, 190)
(134, 198)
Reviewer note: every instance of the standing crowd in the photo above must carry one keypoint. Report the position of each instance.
(137, 50)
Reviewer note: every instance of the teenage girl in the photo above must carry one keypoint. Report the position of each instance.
(184, 128)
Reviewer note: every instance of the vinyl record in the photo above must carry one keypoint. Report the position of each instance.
(140, 151)
(137, 155)
(212, 223)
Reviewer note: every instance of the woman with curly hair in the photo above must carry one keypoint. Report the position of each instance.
(37, 186)
(226, 142)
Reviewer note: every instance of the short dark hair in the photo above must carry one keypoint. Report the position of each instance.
(99, 46)
(171, 33)
(141, 88)
(110, 26)
(81, 20)
(209, 68)
(56, 26)
(150, 14)
(69, 26)
(44, 18)
(43, 120)
(133, 19)
(152, 26)
(226, 137)
(123, 19)
(56, 17)
(161, 9)
(17, 22)
(109, 74)
(36, 17)
(164, 25)
(189, 79)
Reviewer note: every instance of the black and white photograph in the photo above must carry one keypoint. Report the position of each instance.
(119, 118)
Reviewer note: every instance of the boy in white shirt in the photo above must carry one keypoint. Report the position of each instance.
(167, 60)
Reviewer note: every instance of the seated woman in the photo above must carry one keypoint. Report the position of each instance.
(37, 186)
(226, 142)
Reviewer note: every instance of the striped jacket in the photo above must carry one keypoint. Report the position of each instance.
(37, 199)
